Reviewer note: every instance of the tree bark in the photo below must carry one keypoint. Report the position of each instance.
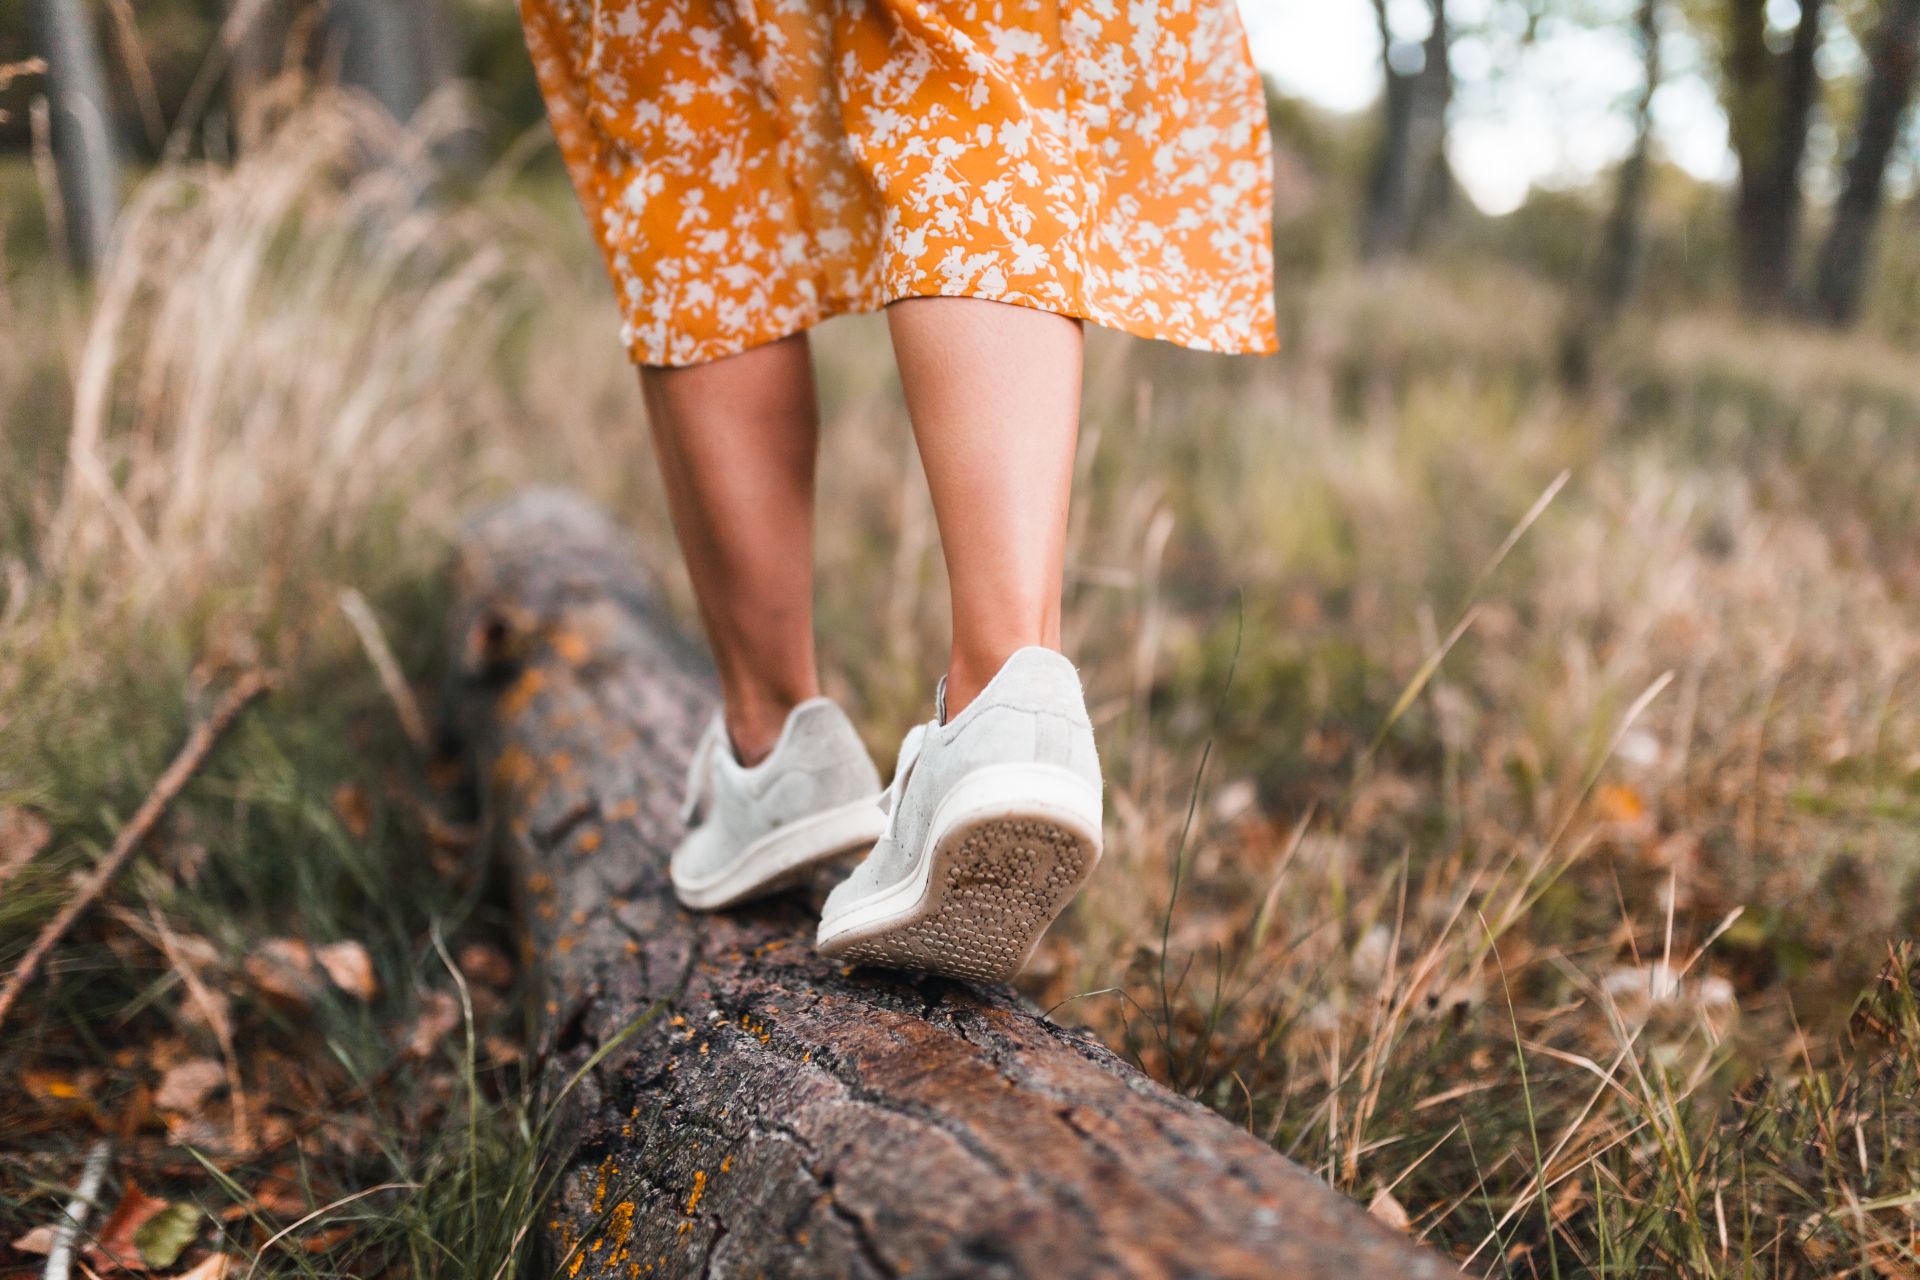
(1625, 244)
(767, 1113)
(1409, 182)
(1617, 267)
(374, 42)
(82, 131)
(1839, 284)
(1770, 108)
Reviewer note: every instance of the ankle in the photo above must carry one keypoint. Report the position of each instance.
(754, 724)
(970, 670)
(751, 737)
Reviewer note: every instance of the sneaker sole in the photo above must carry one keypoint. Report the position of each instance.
(784, 856)
(1011, 846)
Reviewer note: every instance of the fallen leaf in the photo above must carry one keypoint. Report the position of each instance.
(206, 1132)
(439, 1015)
(50, 1086)
(213, 1267)
(186, 1086)
(323, 1241)
(351, 969)
(1624, 807)
(165, 1236)
(23, 834)
(351, 807)
(485, 965)
(209, 1008)
(114, 1245)
(277, 1195)
(283, 967)
(281, 1192)
(39, 1240)
(1388, 1210)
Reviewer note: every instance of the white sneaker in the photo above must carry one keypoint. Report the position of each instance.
(993, 824)
(815, 796)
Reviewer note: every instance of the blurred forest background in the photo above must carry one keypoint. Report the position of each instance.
(1509, 691)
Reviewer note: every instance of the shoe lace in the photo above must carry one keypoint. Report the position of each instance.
(700, 769)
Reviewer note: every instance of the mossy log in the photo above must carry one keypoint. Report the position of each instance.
(771, 1114)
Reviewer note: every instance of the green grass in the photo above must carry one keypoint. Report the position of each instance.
(1545, 877)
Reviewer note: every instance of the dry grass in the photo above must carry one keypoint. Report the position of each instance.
(1513, 794)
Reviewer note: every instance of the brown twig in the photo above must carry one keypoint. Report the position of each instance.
(193, 754)
(367, 626)
(215, 1015)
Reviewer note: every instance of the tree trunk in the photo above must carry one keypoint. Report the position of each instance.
(81, 125)
(374, 42)
(1770, 108)
(1839, 285)
(757, 1110)
(1625, 244)
(1617, 267)
(1409, 182)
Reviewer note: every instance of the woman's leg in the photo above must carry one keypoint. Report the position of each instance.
(994, 394)
(736, 440)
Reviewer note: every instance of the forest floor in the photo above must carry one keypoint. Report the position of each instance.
(1514, 792)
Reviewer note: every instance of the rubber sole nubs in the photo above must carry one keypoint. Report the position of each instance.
(1010, 846)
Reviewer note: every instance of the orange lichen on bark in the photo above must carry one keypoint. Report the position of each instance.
(570, 646)
(620, 1228)
(513, 768)
(518, 696)
(603, 1174)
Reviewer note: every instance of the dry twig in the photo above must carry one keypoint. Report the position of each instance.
(193, 754)
(67, 1232)
(380, 653)
(214, 1013)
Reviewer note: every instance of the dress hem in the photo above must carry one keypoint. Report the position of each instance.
(1259, 344)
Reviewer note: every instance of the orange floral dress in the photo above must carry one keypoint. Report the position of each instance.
(751, 167)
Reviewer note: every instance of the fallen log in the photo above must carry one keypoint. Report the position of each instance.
(755, 1110)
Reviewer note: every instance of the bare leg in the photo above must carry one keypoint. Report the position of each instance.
(994, 393)
(736, 441)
